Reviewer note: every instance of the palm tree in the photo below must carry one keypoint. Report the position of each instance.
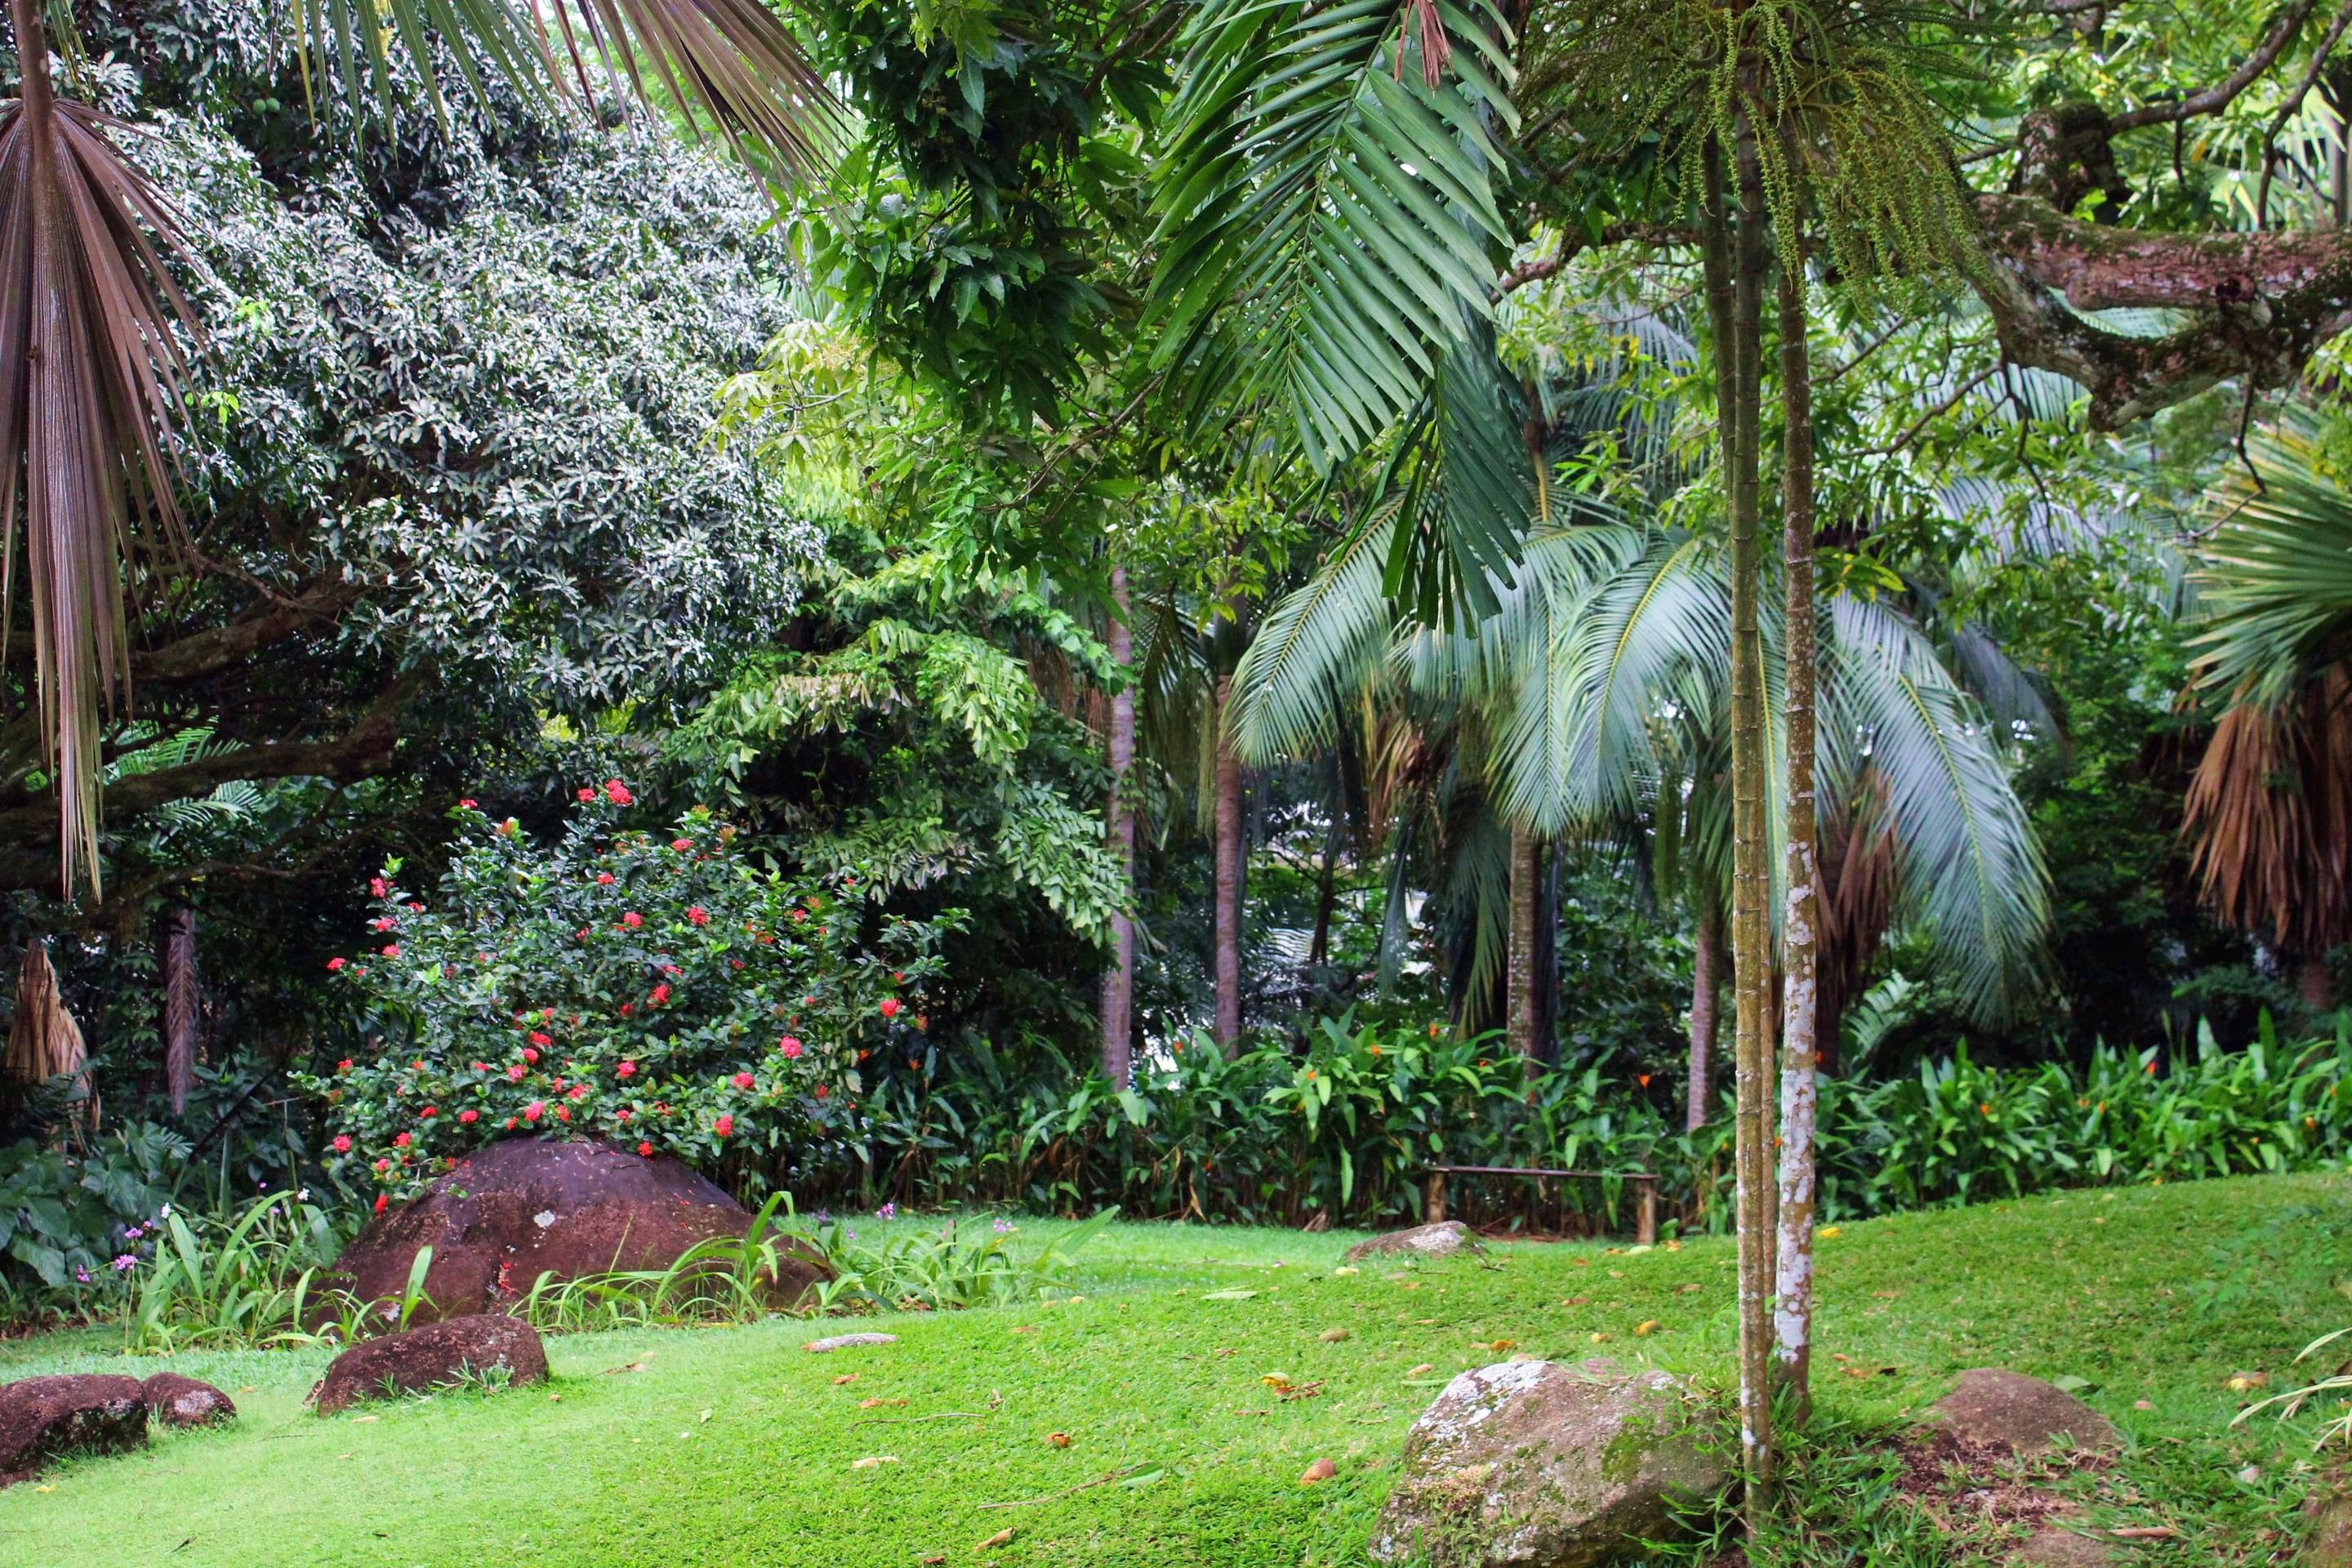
(2269, 813)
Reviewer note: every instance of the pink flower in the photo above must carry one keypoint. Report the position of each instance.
(681, 845)
(586, 796)
(343, 1065)
(563, 1113)
(646, 1149)
(586, 931)
(482, 1067)
(742, 1080)
(579, 1092)
(698, 915)
(890, 1006)
(820, 1091)
(724, 1126)
(530, 1056)
(430, 1110)
(616, 792)
(391, 950)
(626, 1070)
(789, 1047)
(537, 1038)
(660, 996)
(400, 1141)
(377, 888)
(464, 806)
(603, 879)
(515, 1073)
(468, 1117)
(631, 918)
(382, 1166)
(621, 1117)
(384, 923)
(343, 1144)
(333, 965)
(534, 1111)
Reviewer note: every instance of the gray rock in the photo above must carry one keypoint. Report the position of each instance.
(1442, 1239)
(1994, 1404)
(848, 1342)
(1541, 1464)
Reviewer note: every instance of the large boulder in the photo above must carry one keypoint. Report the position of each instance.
(1443, 1240)
(2327, 1514)
(1541, 1464)
(438, 1356)
(45, 1418)
(2024, 1414)
(509, 1212)
(179, 1401)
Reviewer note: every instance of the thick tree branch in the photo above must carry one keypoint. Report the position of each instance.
(2262, 303)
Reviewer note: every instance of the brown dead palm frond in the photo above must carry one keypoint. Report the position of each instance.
(2269, 816)
(43, 1042)
(90, 384)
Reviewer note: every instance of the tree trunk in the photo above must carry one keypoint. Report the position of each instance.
(1118, 984)
(1792, 1316)
(1326, 899)
(2315, 984)
(1707, 984)
(1228, 932)
(182, 1001)
(1520, 1005)
(1735, 267)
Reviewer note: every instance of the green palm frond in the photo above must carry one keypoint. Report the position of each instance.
(1468, 489)
(1324, 640)
(1969, 865)
(1328, 174)
(2278, 576)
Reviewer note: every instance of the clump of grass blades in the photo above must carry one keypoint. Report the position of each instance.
(236, 1280)
(727, 1279)
(951, 1268)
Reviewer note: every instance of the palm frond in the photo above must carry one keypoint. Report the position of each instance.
(2278, 576)
(1329, 171)
(1318, 643)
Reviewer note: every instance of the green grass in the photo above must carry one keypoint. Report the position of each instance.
(734, 1446)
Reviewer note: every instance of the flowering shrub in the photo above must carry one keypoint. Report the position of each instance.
(656, 989)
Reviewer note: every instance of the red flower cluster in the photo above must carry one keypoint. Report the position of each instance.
(616, 792)
(743, 1080)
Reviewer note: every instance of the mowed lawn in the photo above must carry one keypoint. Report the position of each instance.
(735, 1446)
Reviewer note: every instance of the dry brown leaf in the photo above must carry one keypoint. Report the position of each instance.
(845, 1377)
(1320, 1470)
(1332, 1336)
(1417, 1371)
(872, 1461)
(1059, 1439)
(1646, 1327)
(1691, 1289)
(1001, 1538)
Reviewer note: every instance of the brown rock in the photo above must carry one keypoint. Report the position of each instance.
(179, 1401)
(2025, 1415)
(1442, 1239)
(527, 1206)
(435, 1356)
(44, 1418)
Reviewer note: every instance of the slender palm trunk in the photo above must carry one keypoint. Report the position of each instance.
(1792, 1316)
(182, 1002)
(1735, 268)
(1706, 987)
(1118, 984)
(1326, 899)
(1228, 932)
(1522, 1006)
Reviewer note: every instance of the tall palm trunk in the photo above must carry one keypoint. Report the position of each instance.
(1228, 930)
(1706, 987)
(182, 1002)
(1118, 984)
(1792, 1316)
(1522, 1009)
(1735, 268)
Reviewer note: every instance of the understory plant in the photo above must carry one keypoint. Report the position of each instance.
(663, 990)
(960, 1264)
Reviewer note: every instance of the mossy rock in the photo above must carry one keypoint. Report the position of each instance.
(1536, 1464)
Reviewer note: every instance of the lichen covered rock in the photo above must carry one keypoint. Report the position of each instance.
(1442, 1239)
(1536, 1464)
(488, 1346)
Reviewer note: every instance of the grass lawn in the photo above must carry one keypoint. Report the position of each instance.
(733, 1447)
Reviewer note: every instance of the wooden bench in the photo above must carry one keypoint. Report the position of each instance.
(1645, 1191)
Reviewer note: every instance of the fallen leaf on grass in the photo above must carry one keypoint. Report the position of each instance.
(1229, 1296)
(1303, 1391)
(1494, 1344)
(1001, 1538)
(704, 1416)
(1581, 1262)
(1575, 1300)
(845, 1377)
(1599, 1338)
(1887, 1295)
(2144, 1532)
(1344, 1270)
(1320, 1470)
(1417, 1371)
(1332, 1336)
(872, 1461)
(1828, 1233)
(1646, 1327)
(357, 1419)
(1690, 1289)
(1059, 1439)
(935, 1559)
(2247, 1382)
(637, 1365)
(1025, 1328)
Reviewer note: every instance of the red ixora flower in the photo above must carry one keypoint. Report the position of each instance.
(820, 1091)
(400, 1139)
(382, 1166)
(384, 922)
(631, 918)
(587, 794)
(333, 965)
(534, 1111)
(646, 1149)
(603, 879)
(890, 1006)
(469, 1117)
(464, 806)
(515, 1073)
(616, 792)
(343, 1065)
(343, 1144)
(621, 1117)
(724, 1126)
(661, 995)
(530, 1056)
(563, 1113)
(626, 1070)
(510, 1123)
(538, 1038)
(414, 908)
(378, 888)
(697, 915)
(627, 1008)
(482, 1067)
(381, 1203)
(579, 1092)
(789, 1047)
(681, 845)
(391, 950)
(430, 1110)
(742, 1080)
